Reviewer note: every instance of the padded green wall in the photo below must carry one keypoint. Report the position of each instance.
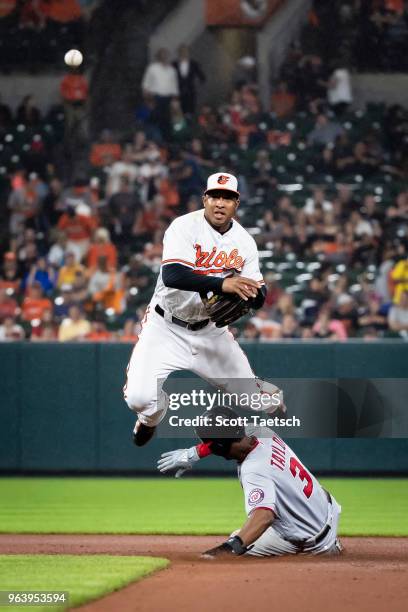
(61, 407)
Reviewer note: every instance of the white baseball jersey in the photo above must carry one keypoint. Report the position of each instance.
(273, 477)
(191, 241)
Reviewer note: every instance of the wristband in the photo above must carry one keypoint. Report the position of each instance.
(204, 449)
(236, 545)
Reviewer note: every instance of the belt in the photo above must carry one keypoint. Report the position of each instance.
(311, 542)
(191, 326)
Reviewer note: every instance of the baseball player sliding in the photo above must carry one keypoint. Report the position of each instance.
(209, 278)
(288, 510)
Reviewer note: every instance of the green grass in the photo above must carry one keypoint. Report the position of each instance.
(189, 506)
(85, 577)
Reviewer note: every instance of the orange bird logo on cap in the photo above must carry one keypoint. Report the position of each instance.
(222, 179)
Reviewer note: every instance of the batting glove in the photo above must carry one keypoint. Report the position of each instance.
(181, 460)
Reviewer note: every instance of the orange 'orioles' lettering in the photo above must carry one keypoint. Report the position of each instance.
(207, 259)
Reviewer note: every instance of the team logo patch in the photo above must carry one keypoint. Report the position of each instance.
(255, 496)
(222, 179)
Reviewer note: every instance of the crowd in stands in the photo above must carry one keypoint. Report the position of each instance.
(323, 192)
(370, 35)
(35, 34)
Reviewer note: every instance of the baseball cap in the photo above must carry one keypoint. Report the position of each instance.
(222, 180)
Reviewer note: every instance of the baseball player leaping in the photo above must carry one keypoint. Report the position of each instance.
(206, 254)
(288, 510)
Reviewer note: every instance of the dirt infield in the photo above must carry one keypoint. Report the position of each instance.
(371, 575)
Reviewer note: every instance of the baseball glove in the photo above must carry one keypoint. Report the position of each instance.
(224, 309)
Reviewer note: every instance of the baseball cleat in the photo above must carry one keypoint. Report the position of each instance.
(142, 434)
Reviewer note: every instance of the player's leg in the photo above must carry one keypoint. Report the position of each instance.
(221, 361)
(158, 352)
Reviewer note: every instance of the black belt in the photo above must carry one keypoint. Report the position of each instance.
(303, 544)
(191, 326)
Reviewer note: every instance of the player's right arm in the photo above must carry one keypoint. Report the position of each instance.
(258, 522)
(179, 263)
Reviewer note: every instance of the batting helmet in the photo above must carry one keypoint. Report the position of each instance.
(221, 428)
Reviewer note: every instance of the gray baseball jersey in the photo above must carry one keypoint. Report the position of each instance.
(273, 477)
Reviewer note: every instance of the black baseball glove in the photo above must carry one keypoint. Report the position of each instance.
(224, 309)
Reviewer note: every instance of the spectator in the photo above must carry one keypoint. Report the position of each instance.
(41, 272)
(399, 277)
(74, 92)
(46, 332)
(317, 200)
(34, 304)
(23, 202)
(179, 129)
(45, 329)
(346, 312)
(10, 277)
(78, 194)
(373, 316)
(124, 206)
(27, 112)
(262, 174)
(124, 168)
(160, 81)
(102, 247)
(137, 277)
(75, 327)
(58, 250)
(339, 90)
(51, 204)
(283, 102)
(328, 328)
(98, 332)
(324, 132)
(11, 331)
(68, 272)
(105, 287)
(184, 170)
(78, 228)
(268, 329)
(106, 151)
(188, 73)
(8, 305)
(63, 302)
(398, 314)
(289, 327)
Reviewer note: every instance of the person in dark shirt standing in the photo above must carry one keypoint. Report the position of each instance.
(188, 72)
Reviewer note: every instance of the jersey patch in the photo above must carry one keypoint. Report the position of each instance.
(255, 496)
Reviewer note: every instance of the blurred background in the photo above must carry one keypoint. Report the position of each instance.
(304, 100)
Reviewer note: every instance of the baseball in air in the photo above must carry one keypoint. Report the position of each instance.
(73, 57)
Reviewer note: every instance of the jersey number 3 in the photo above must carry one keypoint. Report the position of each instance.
(297, 469)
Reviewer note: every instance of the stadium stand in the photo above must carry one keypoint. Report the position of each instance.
(323, 192)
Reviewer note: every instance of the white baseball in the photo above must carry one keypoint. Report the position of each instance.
(73, 57)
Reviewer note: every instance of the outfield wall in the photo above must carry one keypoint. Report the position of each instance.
(62, 407)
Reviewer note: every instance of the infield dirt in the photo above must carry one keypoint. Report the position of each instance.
(370, 576)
